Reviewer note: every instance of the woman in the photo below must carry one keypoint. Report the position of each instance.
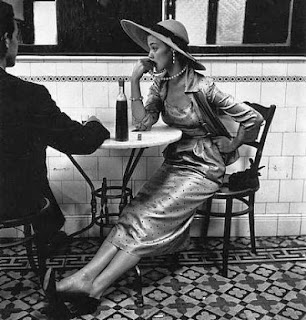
(158, 219)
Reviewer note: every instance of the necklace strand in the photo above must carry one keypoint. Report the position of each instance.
(175, 75)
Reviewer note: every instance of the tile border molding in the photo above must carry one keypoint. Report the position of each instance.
(73, 78)
(131, 59)
(212, 58)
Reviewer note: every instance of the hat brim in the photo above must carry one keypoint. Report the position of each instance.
(139, 34)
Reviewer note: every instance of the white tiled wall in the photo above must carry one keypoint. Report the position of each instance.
(76, 84)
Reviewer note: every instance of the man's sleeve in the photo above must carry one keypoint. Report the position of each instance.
(59, 130)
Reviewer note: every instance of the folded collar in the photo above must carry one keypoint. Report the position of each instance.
(192, 80)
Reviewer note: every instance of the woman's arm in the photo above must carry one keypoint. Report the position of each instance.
(144, 116)
(138, 110)
(227, 145)
(249, 119)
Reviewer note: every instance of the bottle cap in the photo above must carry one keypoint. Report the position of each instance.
(121, 82)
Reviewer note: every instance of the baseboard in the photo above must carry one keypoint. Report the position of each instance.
(265, 225)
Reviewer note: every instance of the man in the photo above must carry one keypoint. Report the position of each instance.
(29, 122)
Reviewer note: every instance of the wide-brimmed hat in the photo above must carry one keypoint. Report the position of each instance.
(171, 32)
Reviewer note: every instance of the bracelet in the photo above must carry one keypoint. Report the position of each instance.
(136, 99)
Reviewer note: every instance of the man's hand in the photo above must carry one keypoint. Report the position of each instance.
(92, 118)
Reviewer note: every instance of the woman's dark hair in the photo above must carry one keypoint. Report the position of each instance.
(182, 59)
(181, 43)
(6, 25)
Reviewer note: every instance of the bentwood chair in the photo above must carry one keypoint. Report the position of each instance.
(246, 197)
(31, 237)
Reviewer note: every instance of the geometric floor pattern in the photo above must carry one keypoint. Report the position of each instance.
(270, 285)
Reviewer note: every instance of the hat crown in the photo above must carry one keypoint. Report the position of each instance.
(176, 27)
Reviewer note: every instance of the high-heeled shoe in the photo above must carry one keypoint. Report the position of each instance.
(81, 302)
(55, 312)
(49, 286)
(56, 308)
(83, 305)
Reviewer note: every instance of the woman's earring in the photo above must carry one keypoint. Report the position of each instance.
(173, 57)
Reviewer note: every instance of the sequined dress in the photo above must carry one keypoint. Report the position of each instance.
(157, 220)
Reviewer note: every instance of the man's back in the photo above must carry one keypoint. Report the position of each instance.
(29, 122)
(22, 151)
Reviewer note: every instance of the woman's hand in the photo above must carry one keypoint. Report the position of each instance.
(142, 66)
(224, 144)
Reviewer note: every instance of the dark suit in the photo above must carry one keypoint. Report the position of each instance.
(29, 122)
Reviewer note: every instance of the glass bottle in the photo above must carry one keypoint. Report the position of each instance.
(122, 133)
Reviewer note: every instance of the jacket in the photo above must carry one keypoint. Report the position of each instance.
(204, 94)
(29, 122)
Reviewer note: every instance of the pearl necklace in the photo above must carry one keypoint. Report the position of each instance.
(174, 76)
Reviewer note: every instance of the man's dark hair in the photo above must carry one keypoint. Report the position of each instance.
(6, 25)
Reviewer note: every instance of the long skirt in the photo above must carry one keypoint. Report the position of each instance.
(157, 220)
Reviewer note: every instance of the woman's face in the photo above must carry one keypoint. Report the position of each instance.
(159, 53)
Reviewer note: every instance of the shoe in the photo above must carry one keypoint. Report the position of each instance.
(49, 286)
(87, 305)
(57, 311)
(82, 304)
(56, 308)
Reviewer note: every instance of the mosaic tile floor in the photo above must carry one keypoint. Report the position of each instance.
(268, 286)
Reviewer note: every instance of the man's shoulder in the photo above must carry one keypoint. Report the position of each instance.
(23, 84)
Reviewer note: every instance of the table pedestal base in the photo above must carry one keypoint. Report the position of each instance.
(106, 219)
(106, 193)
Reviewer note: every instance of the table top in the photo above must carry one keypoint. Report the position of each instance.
(160, 134)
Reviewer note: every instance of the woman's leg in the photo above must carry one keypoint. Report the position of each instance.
(82, 280)
(106, 267)
(120, 264)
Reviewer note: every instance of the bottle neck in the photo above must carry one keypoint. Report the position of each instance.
(121, 95)
(121, 89)
(121, 86)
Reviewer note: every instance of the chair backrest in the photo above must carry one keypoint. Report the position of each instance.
(268, 114)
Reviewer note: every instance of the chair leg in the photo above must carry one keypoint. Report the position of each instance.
(138, 287)
(252, 222)
(227, 233)
(42, 249)
(29, 247)
(174, 260)
(206, 218)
